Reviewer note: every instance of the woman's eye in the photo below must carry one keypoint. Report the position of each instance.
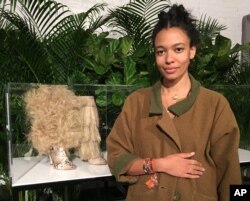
(160, 52)
(179, 49)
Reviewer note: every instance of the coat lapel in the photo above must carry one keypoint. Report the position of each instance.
(167, 125)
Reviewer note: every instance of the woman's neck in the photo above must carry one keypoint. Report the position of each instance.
(177, 90)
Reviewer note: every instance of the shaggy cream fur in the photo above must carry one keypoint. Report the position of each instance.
(58, 116)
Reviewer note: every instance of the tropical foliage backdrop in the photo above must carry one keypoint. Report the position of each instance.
(42, 41)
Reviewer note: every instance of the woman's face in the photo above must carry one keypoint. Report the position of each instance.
(173, 53)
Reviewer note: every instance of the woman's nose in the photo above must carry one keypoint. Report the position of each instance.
(169, 58)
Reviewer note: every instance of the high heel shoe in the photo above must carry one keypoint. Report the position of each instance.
(59, 159)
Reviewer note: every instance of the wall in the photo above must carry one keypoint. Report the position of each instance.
(227, 12)
(81, 5)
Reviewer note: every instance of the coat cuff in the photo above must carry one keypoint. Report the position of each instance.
(121, 166)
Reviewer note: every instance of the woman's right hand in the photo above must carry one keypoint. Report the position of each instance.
(179, 165)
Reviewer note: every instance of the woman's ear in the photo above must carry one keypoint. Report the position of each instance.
(192, 52)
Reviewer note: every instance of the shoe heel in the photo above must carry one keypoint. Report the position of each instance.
(59, 159)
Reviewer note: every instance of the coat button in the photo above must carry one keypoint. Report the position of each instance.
(177, 196)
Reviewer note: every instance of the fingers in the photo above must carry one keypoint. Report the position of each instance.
(182, 165)
(194, 172)
(186, 155)
(195, 163)
(191, 176)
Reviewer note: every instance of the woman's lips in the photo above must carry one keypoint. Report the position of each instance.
(170, 70)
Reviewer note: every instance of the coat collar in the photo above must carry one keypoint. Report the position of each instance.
(180, 107)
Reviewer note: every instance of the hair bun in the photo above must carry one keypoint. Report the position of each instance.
(163, 15)
(178, 16)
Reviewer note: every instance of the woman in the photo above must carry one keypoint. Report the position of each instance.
(175, 140)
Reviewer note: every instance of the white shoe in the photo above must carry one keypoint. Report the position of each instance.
(97, 161)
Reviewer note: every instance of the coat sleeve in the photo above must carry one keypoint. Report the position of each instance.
(224, 150)
(120, 145)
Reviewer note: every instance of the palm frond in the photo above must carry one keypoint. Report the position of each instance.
(240, 74)
(67, 44)
(14, 21)
(137, 18)
(4, 23)
(89, 20)
(11, 4)
(148, 9)
(91, 14)
(42, 16)
(209, 27)
(24, 55)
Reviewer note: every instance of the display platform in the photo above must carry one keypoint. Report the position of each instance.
(244, 156)
(37, 170)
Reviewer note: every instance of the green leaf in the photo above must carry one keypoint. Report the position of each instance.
(101, 97)
(115, 78)
(89, 63)
(125, 45)
(141, 50)
(143, 82)
(100, 69)
(129, 71)
(223, 44)
(118, 98)
(101, 101)
(105, 58)
(205, 59)
(113, 45)
(237, 47)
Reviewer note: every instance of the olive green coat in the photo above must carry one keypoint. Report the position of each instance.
(204, 123)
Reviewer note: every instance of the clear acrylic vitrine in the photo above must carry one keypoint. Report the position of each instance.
(22, 156)
(109, 100)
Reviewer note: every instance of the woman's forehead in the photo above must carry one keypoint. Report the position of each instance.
(171, 36)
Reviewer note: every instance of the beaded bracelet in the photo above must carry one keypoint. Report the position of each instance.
(152, 181)
(148, 169)
(147, 166)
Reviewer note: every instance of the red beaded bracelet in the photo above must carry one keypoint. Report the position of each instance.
(148, 169)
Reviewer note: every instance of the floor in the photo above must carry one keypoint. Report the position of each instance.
(111, 192)
(87, 191)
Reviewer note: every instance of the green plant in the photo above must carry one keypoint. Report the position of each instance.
(113, 60)
(136, 20)
(216, 59)
(42, 41)
(35, 36)
(217, 66)
(5, 188)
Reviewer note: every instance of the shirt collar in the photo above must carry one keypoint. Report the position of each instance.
(178, 108)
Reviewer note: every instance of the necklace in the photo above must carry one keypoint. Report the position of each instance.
(175, 97)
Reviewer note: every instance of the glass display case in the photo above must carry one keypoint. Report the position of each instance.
(27, 166)
(26, 163)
